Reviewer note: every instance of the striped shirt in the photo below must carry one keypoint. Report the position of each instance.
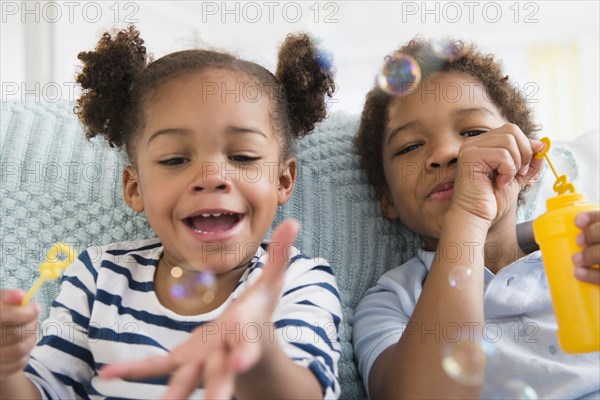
(107, 312)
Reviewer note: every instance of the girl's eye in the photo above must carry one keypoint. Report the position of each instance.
(472, 133)
(243, 158)
(173, 161)
(407, 149)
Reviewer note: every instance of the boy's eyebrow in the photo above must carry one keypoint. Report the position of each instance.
(466, 111)
(401, 128)
(183, 132)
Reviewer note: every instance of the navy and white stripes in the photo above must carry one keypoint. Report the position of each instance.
(107, 312)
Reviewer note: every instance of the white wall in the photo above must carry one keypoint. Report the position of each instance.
(40, 41)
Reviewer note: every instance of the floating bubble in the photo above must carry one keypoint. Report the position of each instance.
(458, 277)
(193, 284)
(514, 389)
(448, 49)
(465, 360)
(399, 75)
(324, 59)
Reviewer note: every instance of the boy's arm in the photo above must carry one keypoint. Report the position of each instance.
(400, 371)
(492, 170)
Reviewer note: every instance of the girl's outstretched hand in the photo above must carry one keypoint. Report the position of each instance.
(213, 358)
(589, 239)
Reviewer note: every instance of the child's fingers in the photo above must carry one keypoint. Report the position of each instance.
(589, 256)
(11, 310)
(584, 219)
(246, 354)
(184, 381)
(283, 237)
(12, 296)
(218, 378)
(590, 275)
(8, 368)
(146, 368)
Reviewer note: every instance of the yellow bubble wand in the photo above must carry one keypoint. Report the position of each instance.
(562, 184)
(52, 268)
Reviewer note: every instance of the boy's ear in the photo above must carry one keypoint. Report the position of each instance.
(131, 189)
(387, 206)
(287, 178)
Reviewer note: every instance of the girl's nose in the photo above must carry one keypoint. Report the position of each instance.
(211, 179)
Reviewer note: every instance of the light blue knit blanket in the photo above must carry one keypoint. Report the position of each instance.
(57, 186)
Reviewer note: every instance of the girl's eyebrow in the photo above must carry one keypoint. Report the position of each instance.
(184, 132)
(244, 129)
(168, 131)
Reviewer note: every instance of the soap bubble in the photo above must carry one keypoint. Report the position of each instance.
(324, 59)
(514, 389)
(465, 360)
(193, 284)
(459, 276)
(448, 49)
(399, 75)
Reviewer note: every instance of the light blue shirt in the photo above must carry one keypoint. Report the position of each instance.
(520, 326)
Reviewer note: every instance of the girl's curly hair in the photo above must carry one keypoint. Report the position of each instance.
(119, 76)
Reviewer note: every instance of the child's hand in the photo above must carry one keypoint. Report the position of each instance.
(492, 170)
(589, 239)
(219, 357)
(18, 332)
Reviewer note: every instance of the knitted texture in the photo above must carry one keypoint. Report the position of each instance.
(59, 187)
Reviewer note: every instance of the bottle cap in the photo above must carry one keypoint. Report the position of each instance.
(565, 200)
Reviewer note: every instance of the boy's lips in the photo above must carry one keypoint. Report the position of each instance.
(214, 225)
(441, 191)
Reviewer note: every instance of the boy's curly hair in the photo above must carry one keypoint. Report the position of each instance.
(513, 105)
(119, 76)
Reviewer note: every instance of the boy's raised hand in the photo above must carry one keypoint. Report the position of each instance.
(218, 358)
(18, 332)
(492, 169)
(589, 239)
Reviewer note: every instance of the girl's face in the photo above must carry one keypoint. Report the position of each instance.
(208, 173)
(423, 134)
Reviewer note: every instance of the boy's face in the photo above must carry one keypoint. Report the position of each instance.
(422, 138)
(208, 174)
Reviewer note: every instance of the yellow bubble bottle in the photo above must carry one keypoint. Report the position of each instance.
(576, 303)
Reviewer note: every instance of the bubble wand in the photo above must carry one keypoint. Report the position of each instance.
(51, 268)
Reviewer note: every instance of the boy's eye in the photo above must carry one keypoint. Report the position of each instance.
(173, 161)
(242, 158)
(407, 149)
(475, 132)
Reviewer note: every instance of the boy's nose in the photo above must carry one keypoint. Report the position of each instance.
(443, 155)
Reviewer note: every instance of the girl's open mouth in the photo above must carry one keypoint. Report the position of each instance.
(213, 223)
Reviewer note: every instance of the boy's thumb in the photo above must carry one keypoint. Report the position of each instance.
(12, 296)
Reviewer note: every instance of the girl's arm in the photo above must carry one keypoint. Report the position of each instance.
(245, 357)
(18, 338)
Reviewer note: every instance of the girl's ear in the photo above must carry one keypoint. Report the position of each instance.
(287, 178)
(387, 206)
(131, 189)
